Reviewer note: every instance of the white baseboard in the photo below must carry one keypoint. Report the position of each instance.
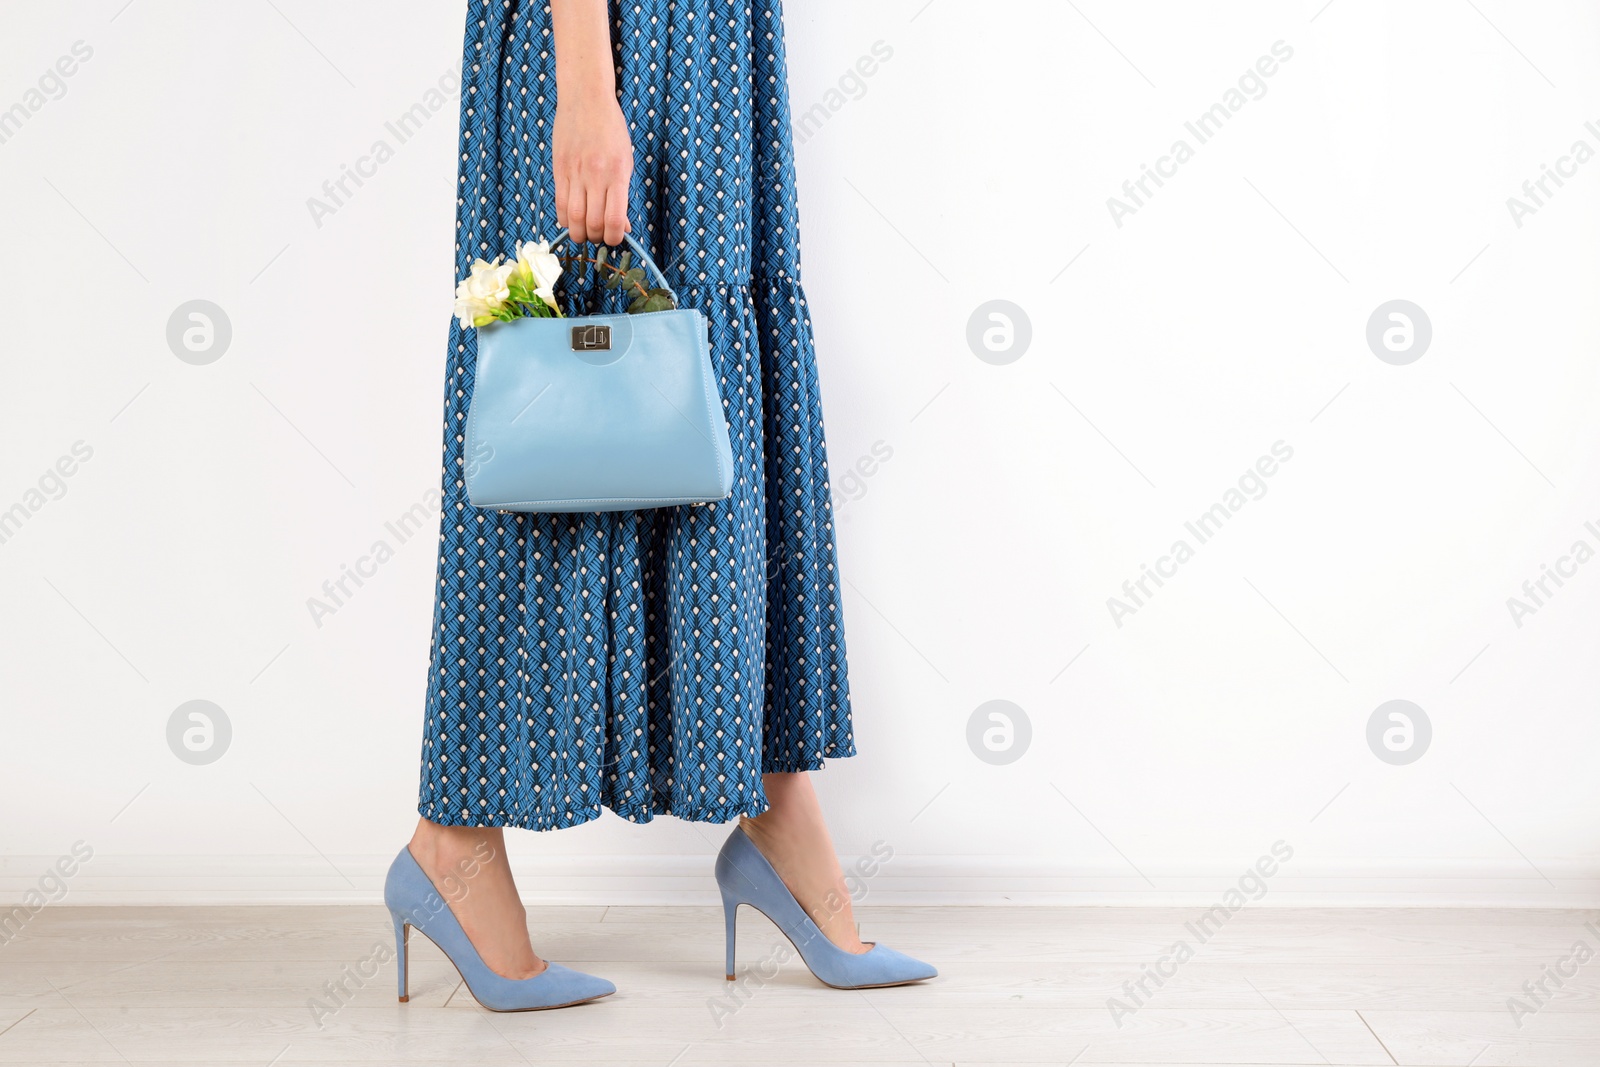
(904, 879)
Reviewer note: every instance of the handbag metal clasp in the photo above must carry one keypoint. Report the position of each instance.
(594, 337)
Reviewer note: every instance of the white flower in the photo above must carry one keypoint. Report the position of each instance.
(539, 268)
(483, 292)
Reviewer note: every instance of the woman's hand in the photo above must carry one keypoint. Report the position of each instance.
(593, 152)
(593, 168)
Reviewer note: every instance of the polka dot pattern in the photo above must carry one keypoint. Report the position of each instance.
(654, 661)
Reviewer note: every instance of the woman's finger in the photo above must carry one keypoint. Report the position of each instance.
(562, 186)
(616, 220)
(595, 200)
(577, 213)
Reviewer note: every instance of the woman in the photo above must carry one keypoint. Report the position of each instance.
(687, 661)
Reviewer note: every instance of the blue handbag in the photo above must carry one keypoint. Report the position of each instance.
(597, 413)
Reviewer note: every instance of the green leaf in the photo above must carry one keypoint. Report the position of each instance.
(627, 258)
(600, 256)
(658, 303)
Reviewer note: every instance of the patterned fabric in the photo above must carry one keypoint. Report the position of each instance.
(645, 661)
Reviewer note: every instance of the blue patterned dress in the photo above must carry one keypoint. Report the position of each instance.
(651, 661)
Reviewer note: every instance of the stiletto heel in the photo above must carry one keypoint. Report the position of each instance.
(414, 902)
(730, 908)
(746, 877)
(401, 929)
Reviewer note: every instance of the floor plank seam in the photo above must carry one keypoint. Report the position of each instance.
(13, 1025)
(1376, 1038)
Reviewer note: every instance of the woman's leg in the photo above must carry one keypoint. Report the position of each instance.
(469, 868)
(793, 835)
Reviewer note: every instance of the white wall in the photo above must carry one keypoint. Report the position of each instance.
(1168, 354)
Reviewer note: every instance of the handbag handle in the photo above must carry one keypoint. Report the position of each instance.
(638, 250)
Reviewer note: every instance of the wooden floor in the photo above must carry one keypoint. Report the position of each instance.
(1018, 985)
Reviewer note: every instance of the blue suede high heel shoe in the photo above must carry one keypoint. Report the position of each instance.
(414, 902)
(745, 877)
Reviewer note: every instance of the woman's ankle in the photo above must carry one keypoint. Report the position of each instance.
(453, 856)
(470, 870)
(793, 835)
